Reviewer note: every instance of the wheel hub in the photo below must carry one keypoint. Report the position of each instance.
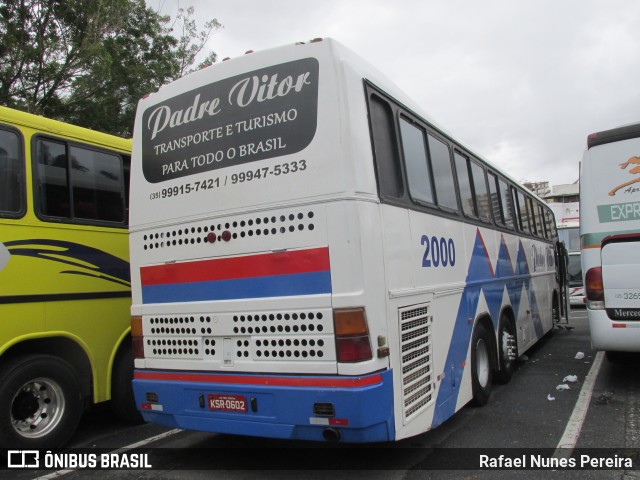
(37, 408)
(508, 346)
(25, 405)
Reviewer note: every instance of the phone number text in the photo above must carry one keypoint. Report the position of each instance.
(233, 179)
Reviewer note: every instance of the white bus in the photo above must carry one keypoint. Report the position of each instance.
(610, 237)
(313, 258)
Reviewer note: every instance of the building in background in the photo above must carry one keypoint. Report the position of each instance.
(564, 200)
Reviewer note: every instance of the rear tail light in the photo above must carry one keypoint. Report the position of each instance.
(137, 339)
(352, 335)
(594, 288)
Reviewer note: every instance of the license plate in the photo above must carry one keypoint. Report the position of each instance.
(227, 403)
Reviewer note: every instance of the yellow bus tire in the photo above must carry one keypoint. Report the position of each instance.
(40, 402)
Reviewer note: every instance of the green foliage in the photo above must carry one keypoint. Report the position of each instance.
(89, 61)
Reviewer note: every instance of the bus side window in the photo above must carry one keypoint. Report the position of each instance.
(389, 172)
(495, 199)
(517, 211)
(11, 175)
(542, 231)
(98, 185)
(464, 183)
(415, 159)
(532, 214)
(522, 210)
(507, 203)
(442, 173)
(127, 181)
(53, 179)
(551, 226)
(76, 183)
(483, 201)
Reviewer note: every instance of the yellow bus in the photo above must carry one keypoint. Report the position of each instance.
(64, 278)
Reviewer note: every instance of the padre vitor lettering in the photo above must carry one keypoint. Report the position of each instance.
(162, 116)
(264, 88)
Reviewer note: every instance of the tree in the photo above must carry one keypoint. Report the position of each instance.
(89, 61)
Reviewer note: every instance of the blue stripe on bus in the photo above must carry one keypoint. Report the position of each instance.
(481, 279)
(311, 283)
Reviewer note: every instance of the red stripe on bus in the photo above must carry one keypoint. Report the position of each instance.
(263, 265)
(350, 382)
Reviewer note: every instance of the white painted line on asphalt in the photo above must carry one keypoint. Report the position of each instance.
(141, 443)
(149, 440)
(572, 431)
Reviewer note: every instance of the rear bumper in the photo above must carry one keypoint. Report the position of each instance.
(613, 335)
(277, 406)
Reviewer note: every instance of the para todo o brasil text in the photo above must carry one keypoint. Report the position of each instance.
(219, 156)
(235, 178)
(542, 462)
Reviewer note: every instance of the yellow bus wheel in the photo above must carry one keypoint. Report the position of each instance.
(40, 402)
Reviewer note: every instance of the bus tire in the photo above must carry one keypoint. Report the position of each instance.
(507, 351)
(481, 364)
(123, 403)
(40, 402)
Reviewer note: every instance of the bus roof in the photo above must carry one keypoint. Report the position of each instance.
(67, 130)
(614, 135)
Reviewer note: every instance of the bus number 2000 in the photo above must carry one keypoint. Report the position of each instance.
(438, 252)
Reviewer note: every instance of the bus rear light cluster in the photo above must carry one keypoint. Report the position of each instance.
(352, 335)
(137, 340)
(594, 289)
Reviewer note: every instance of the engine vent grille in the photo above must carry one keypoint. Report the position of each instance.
(416, 360)
(274, 336)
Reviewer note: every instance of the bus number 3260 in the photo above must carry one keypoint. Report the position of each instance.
(438, 251)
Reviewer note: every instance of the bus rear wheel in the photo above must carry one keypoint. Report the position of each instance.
(481, 365)
(507, 351)
(40, 402)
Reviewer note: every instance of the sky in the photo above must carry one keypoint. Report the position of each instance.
(520, 82)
